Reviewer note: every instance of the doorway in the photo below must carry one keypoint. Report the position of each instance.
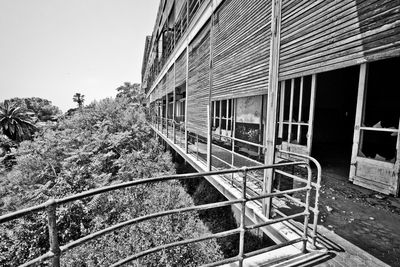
(334, 117)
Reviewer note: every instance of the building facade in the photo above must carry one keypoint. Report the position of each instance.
(237, 82)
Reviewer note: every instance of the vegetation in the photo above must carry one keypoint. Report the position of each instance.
(79, 99)
(108, 142)
(42, 109)
(15, 122)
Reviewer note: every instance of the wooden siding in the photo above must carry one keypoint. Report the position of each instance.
(162, 87)
(323, 35)
(241, 48)
(199, 82)
(180, 69)
(170, 81)
(157, 92)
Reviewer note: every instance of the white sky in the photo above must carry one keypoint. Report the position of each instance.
(56, 48)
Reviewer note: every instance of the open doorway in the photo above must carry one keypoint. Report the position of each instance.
(335, 107)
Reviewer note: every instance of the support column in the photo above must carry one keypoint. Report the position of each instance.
(209, 109)
(272, 102)
(174, 109)
(187, 91)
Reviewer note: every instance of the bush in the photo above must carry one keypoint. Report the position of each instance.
(106, 142)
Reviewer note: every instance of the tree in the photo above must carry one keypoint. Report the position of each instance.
(42, 108)
(131, 92)
(79, 98)
(107, 142)
(15, 122)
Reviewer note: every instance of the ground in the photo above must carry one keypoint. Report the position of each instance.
(367, 219)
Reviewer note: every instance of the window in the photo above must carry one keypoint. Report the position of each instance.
(239, 119)
(294, 110)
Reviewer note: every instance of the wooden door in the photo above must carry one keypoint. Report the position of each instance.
(375, 173)
(296, 116)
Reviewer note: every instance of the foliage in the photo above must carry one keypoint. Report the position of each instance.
(132, 92)
(107, 142)
(15, 122)
(42, 108)
(79, 99)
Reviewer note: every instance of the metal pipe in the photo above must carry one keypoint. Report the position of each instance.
(144, 218)
(174, 244)
(243, 219)
(53, 238)
(255, 226)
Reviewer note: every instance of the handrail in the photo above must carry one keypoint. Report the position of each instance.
(316, 185)
(51, 205)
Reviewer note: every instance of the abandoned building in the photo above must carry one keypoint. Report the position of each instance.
(226, 86)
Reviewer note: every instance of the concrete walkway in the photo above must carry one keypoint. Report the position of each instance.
(341, 252)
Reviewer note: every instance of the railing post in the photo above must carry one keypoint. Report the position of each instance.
(316, 208)
(307, 209)
(53, 238)
(243, 218)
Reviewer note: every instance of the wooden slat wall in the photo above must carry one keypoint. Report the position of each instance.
(323, 35)
(169, 84)
(156, 92)
(180, 69)
(241, 48)
(199, 82)
(163, 87)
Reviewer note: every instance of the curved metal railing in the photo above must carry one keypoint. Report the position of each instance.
(56, 250)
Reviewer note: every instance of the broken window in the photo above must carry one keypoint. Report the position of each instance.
(380, 119)
(237, 127)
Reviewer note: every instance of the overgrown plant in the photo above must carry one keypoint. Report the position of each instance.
(108, 142)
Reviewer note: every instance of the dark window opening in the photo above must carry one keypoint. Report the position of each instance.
(382, 111)
(335, 107)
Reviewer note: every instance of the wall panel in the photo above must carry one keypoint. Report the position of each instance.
(324, 35)
(199, 82)
(180, 69)
(241, 48)
(170, 81)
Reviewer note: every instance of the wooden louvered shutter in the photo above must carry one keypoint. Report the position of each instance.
(170, 80)
(180, 69)
(199, 82)
(163, 86)
(241, 49)
(321, 35)
(156, 92)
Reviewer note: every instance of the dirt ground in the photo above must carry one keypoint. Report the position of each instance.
(367, 219)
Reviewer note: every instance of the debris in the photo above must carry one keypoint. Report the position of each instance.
(330, 226)
(361, 154)
(379, 157)
(372, 218)
(333, 198)
(377, 125)
(378, 196)
(329, 209)
(394, 133)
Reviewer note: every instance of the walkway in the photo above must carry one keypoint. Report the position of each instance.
(340, 252)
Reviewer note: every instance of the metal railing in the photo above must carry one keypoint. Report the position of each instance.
(193, 149)
(56, 250)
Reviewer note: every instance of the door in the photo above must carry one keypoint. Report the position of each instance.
(296, 116)
(372, 165)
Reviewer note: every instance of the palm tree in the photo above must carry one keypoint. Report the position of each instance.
(15, 122)
(79, 98)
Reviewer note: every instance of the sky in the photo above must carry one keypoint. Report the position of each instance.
(55, 48)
